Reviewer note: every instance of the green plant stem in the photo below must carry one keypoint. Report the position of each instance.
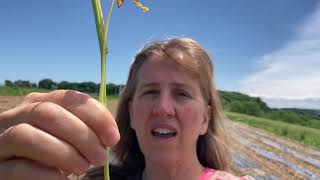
(103, 100)
(99, 20)
(107, 26)
(102, 32)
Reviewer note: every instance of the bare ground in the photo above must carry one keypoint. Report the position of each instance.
(266, 156)
(254, 152)
(8, 102)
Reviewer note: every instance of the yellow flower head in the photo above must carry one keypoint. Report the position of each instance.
(143, 8)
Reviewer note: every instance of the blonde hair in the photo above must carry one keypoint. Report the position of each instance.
(212, 149)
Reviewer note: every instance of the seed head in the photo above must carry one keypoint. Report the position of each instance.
(139, 4)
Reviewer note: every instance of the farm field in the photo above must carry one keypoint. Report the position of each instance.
(266, 156)
(255, 152)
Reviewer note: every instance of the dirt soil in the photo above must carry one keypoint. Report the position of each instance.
(8, 102)
(266, 156)
(254, 152)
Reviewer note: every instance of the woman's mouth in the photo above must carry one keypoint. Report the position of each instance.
(163, 133)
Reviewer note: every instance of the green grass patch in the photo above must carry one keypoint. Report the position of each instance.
(304, 135)
(17, 91)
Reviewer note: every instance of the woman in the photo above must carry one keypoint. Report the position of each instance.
(169, 119)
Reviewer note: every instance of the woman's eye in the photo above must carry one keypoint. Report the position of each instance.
(183, 94)
(149, 92)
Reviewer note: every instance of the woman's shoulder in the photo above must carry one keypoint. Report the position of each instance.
(212, 174)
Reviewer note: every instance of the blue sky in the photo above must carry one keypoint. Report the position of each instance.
(269, 49)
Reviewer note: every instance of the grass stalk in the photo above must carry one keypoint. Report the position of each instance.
(102, 32)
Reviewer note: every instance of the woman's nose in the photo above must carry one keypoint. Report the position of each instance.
(164, 106)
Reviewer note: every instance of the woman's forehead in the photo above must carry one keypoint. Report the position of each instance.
(181, 61)
(158, 71)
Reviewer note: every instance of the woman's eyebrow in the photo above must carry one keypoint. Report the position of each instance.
(173, 84)
(148, 84)
(183, 85)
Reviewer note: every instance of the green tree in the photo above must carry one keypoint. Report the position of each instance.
(8, 83)
(112, 89)
(22, 83)
(47, 84)
(89, 87)
(63, 85)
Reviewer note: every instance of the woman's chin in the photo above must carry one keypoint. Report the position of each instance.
(163, 160)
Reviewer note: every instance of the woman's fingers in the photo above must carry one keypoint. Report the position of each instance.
(89, 110)
(22, 169)
(62, 129)
(60, 123)
(26, 141)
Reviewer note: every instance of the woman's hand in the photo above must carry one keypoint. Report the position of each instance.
(51, 135)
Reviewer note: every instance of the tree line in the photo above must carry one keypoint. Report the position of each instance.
(87, 87)
(231, 101)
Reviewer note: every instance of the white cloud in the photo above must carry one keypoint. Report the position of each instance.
(292, 72)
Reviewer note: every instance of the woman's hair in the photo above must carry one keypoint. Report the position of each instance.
(212, 149)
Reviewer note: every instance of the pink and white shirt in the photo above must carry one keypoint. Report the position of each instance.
(211, 174)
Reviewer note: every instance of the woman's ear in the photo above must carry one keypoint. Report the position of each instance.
(206, 120)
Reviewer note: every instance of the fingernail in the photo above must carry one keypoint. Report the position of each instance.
(100, 156)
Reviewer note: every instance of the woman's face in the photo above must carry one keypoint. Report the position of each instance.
(167, 112)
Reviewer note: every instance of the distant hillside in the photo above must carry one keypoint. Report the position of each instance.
(238, 102)
(242, 103)
(307, 112)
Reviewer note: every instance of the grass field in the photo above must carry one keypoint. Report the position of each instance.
(304, 135)
(16, 91)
